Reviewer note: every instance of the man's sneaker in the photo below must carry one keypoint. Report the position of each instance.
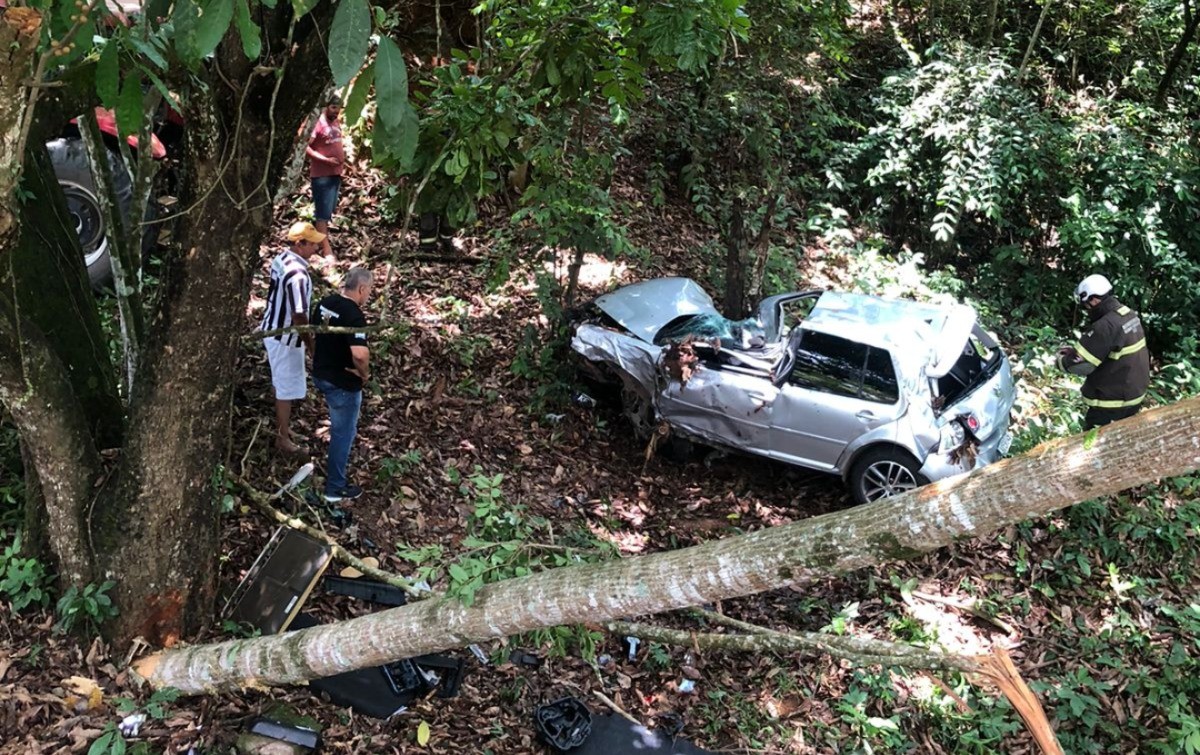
(348, 493)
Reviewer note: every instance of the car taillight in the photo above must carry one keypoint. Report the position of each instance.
(971, 422)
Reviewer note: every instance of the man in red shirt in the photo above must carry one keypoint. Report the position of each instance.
(327, 156)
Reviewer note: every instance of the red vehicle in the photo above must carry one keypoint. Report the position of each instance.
(80, 187)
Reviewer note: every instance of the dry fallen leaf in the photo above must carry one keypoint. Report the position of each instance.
(82, 693)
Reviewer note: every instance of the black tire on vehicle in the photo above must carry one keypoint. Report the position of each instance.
(70, 160)
(677, 449)
(883, 472)
(639, 411)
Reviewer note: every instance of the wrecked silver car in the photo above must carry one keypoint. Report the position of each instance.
(889, 394)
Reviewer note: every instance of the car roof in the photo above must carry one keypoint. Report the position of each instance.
(916, 333)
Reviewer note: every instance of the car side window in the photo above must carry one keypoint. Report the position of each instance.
(829, 364)
(879, 378)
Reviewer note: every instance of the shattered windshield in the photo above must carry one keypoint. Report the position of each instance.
(731, 334)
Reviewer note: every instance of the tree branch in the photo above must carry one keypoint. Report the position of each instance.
(121, 258)
(860, 651)
(328, 329)
(263, 504)
(1191, 23)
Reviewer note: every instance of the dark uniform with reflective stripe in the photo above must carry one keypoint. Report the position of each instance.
(1113, 357)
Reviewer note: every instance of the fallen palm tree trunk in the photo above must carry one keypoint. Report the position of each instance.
(1151, 445)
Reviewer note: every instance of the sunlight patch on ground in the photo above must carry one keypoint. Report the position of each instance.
(942, 617)
(597, 273)
(952, 628)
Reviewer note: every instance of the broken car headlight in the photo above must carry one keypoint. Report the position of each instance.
(953, 436)
(957, 431)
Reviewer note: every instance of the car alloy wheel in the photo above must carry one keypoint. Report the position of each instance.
(886, 478)
(85, 212)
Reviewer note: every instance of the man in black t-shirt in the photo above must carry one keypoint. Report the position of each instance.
(341, 364)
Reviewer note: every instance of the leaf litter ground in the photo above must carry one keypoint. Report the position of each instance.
(446, 397)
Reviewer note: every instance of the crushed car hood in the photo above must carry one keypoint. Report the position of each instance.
(644, 308)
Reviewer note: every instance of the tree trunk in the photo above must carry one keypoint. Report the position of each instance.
(19, 33)
(1153, 444)
(1037, 32)
(55, 374)
(1191, 21)
(149, 518)
(179, 421)
(573, 270)
(45, 409)
(735, 263)
(157, 524)
(989, 36)
(762, 252)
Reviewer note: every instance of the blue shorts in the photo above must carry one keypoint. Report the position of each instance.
(325, 195)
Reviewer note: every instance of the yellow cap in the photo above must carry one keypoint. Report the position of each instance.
(304, 231)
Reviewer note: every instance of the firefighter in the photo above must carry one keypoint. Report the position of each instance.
(1111, 355)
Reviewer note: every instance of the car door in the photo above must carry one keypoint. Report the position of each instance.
(837, 390)
(726, 404)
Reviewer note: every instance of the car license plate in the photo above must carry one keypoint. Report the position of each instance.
(1005, 443)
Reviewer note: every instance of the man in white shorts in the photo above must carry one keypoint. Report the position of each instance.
(287, 305)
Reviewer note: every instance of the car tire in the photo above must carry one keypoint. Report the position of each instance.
(677, 449)
(74, 173)
(639, 411)
(883, 472)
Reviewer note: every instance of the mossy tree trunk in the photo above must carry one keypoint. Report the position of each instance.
(1153, 444)
(143, 514)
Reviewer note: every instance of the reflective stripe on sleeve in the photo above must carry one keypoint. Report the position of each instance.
(1086, 355)
(1114, 403)
(1133, 349)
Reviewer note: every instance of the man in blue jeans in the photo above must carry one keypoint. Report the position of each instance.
(327, 162)
(341, 364)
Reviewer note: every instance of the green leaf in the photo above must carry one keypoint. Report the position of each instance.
(302, 7)
(248, 30)
(348, 39)
(391, 83)
(100, 746)
(185, 19)
(168, 96)
(149, 51)
(108, 75)
(423, 733)
(215, 16)
(457, 573)
(129, 107)
(406, 142)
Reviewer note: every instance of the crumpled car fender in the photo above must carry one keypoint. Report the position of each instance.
(635, 361)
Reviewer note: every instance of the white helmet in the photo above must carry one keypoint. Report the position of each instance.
(1093, 285)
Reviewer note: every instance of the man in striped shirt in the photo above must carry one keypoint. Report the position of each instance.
(287, 305)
